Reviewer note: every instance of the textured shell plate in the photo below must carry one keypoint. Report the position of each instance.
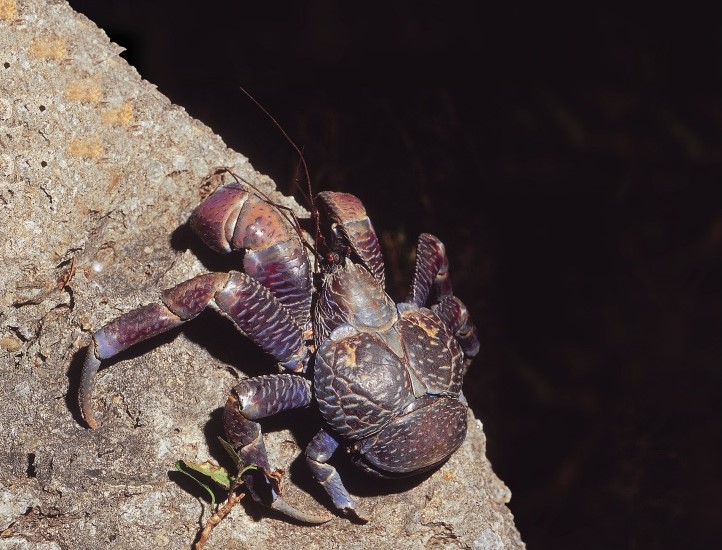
(363, 380)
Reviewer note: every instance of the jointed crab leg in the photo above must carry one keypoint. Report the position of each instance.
(251, 307)
(455, 316)
(318, 452)
(252, 400)
(432, 269)
(258, 398)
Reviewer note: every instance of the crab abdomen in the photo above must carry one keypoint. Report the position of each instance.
(360, 384)
(424, 436)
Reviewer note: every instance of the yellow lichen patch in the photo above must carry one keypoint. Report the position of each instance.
(85, 147)
(120, 116)
(448, 476)
(10, 343)
(50, 46)
(8, 9)
(85, 89)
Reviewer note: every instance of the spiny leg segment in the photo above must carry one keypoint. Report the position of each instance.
(318, 452)
(251, 307)
(431, 276)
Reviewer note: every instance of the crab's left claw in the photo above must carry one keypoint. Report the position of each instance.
(264, 488)
(287, 510)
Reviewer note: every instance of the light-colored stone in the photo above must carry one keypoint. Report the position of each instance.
(97, 170)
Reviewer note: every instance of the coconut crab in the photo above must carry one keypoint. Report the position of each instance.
(386, 378)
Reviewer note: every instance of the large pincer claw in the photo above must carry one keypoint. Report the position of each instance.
(351, 222)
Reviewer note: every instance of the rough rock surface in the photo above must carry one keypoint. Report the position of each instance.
(97, 172)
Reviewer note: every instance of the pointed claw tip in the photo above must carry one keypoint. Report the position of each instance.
(89, 417)
(86, 412)
(286, 509)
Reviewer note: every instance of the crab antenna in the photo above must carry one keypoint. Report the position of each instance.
(308, 195)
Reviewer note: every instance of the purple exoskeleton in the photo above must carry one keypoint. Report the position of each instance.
(385, 377)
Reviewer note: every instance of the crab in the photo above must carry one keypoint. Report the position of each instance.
(386, 377)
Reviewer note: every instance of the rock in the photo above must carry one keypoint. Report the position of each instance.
(98, 170)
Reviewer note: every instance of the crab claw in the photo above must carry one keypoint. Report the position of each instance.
(269, 483)
(87, 383)
(287, 510)
(351, 222)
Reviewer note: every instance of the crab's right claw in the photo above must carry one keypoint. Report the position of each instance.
(353, 224)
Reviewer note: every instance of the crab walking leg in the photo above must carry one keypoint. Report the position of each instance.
(432, 269)
(455, 316)
(252, 400)
(257, 398)
(251, 307)
(318, 452)
(352, 223)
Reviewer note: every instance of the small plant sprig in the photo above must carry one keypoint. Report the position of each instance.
(219, 476)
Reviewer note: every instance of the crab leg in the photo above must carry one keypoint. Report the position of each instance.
(250, 305)
(455, 316)
(318, 452)
(432, 269)
(252, 400)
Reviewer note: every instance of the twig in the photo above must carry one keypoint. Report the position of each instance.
(216, 518)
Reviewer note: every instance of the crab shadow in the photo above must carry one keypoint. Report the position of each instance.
(303, 425)
(228, 348)
(184, 238)
(209, 330)
(181, 239)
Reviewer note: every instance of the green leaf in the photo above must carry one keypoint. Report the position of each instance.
(217, 474)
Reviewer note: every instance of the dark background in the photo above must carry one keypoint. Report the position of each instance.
(569, 159)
